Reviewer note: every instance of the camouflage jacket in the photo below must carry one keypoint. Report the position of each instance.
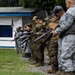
(66, 21)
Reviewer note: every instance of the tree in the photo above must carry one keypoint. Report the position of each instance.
(44, 4)
(47, 5)
(9, 3)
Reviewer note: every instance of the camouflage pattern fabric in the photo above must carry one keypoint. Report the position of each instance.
(54, 53)
(53, 48)
(66, 53)
(32, 46)
(66, 49)
(39, 53)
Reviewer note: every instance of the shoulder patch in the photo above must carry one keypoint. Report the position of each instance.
(66, 16)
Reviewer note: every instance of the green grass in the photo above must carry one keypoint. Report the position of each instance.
(12, 64)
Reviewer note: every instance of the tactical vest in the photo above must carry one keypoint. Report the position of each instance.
(70, 30)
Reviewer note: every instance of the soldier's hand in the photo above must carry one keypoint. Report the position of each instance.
(31, 31)
(37, 33)
(53, 33)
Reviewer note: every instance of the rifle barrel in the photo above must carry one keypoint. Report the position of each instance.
(49, 36)
(42, 36)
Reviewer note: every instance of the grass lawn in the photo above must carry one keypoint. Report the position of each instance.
(12, 64)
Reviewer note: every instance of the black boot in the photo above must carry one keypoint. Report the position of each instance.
(29, 55)
(40, 63)
(69, 73)
(25, 55)
(35, 61)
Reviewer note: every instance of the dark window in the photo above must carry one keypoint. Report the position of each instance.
(5, 31)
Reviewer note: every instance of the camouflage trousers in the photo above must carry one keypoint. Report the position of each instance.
(32, 47)
(39, 52)
(53, 52)
(66, 53)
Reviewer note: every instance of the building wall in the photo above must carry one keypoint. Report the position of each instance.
(7, 41)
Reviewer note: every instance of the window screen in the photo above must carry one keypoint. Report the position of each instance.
(5, 31)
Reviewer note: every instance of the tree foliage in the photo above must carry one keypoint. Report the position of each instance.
(47, 5)
(9, 3)
(44, 4)
(61, 2)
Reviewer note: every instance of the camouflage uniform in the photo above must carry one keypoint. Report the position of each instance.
(32, 46)
(53, 52)
(39, 53)
(66, 43)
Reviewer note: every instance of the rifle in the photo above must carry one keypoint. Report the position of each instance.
(49, 36)
(18, 37)
(28, 37)
(42, 36)
(14, 39)
(24, 40)
(50, 25)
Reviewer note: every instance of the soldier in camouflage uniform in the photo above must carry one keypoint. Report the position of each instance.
(66, 42)
(39, 53)
(53, 51)
(53, 45)
(32, 59)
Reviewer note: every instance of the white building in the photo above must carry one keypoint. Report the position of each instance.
(10, 18)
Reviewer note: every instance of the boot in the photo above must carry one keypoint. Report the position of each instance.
(29, 55)
(35, 61)
(40, 63)
(59, 73)
(17, 52)
(54, 67)
(26, 55)
(51, 71)
(30, 59)
(49, 63)
(69, 73)
(64, 73)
